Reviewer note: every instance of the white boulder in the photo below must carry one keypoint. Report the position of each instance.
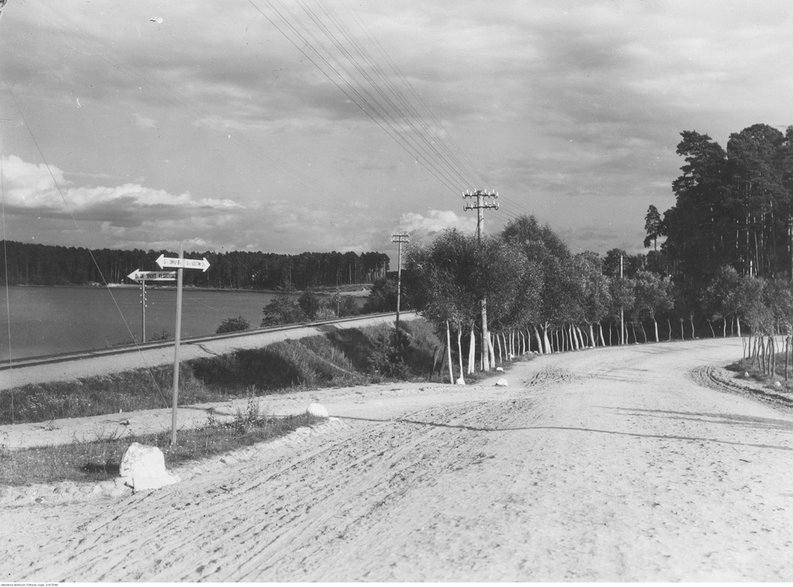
(317, 410)
(143, 467)
(460, 381)
(502, 383)
(499, 369)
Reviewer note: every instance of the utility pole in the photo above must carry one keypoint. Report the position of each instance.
(143, 311)
(622, 312)
(480, 206)
(400, 238)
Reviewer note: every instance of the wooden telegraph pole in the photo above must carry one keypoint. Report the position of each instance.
(622, 311)
(480, 206)
(400, 238)
(142, 277)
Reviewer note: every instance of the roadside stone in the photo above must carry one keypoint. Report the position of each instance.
(317, 410)
(143, 467)
(460, 381)
(502, 383)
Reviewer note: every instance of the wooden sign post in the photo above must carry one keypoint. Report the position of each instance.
(180, 263)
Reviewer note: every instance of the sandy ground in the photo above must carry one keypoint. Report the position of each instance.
(620, 464)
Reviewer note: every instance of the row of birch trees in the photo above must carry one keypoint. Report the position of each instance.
(539, 297)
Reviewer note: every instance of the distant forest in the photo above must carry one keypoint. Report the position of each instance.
(35, 264)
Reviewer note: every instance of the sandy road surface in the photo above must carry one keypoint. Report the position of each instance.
(608, 464)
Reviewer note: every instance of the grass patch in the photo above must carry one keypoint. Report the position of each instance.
(100, 459)
(334, 359)
(756, 374)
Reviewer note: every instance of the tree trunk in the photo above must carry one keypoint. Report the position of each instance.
(724, 327)
(548, 349)
(738, 324)
(693, 334)
(712, 332)
(669, 323)
(600, 328)
(787, 347)
(460, 348)
(655, 325)
(644, 332)
(610, 330)
(449, 353)
(471, 351)
(761, 352)
(682, 332)
(592, 335)
(500, 354)
(491, 351)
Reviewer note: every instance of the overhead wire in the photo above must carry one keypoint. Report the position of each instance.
(393, 97)
(380, 96)
(68, 209)
(332, 73)
(454, 155)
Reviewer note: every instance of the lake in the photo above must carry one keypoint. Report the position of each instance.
(51, 320)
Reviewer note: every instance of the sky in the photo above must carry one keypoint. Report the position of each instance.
(297, 125)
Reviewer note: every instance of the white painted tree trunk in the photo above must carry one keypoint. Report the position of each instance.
(581, 337)
(539, 341)
(460, 349)
(471, 351)
(449, 353)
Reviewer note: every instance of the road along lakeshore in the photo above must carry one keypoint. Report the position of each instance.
(606, 464)
(105, 362)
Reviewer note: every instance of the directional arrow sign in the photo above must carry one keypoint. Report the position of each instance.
(139, 275)
(164, 262)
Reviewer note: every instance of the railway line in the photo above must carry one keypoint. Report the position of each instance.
(105, 361)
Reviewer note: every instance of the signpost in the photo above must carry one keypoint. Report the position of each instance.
(180, 263)
(142, 277)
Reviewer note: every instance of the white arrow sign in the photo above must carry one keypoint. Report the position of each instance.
(139, 275)
(164, 261)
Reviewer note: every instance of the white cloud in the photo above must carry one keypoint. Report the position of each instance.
(435, 221)
(35, 186)
(144, 121)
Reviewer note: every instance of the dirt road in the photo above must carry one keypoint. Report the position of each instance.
(610, 465)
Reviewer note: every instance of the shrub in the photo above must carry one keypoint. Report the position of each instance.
(233, 325)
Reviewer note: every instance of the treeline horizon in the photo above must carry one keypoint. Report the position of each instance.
(38, 264)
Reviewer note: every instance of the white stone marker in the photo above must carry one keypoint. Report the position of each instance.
(143, 467)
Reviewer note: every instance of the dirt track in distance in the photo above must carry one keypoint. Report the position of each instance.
(603, 465)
